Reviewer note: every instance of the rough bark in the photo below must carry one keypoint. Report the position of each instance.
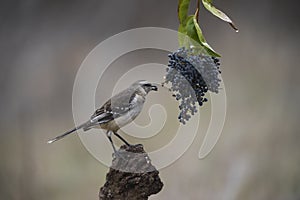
(131, 176)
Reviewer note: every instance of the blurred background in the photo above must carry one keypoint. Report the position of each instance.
(43, 43)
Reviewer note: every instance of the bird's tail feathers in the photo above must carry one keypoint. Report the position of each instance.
(84, 126)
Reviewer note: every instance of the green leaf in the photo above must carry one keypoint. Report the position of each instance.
(183, 9)
(191, 34)
(207, 4)
(182, 35)
(187, 34)
(189, 30)
(201, 38)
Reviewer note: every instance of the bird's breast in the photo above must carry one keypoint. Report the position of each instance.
(128, 117)
(136, 106)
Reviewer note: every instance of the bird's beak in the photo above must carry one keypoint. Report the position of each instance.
(153, 87)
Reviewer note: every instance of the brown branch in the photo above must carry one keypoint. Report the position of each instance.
(131, 176)
(198, 10)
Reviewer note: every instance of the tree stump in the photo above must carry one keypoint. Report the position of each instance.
(131, 176)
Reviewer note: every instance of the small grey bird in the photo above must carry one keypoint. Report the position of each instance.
(118, 111)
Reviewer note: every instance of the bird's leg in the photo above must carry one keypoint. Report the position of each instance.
(121, 138)
(108, 134)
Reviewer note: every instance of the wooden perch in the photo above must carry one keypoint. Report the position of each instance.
(131, 176)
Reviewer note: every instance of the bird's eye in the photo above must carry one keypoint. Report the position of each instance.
(147, 85)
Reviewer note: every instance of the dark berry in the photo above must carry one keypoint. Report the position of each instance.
(191, 76)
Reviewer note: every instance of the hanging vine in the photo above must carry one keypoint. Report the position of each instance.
(194, 69)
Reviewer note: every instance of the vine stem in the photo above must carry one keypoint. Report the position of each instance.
(197, 11)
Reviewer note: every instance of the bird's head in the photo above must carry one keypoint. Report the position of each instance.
(145, 86)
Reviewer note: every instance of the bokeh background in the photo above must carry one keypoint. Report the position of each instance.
(43, 43)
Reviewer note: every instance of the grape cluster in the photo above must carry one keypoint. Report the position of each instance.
(191, 76)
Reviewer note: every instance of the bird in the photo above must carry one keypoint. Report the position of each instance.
(118, 111)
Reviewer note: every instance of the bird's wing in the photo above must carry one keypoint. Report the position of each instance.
(117, 106)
